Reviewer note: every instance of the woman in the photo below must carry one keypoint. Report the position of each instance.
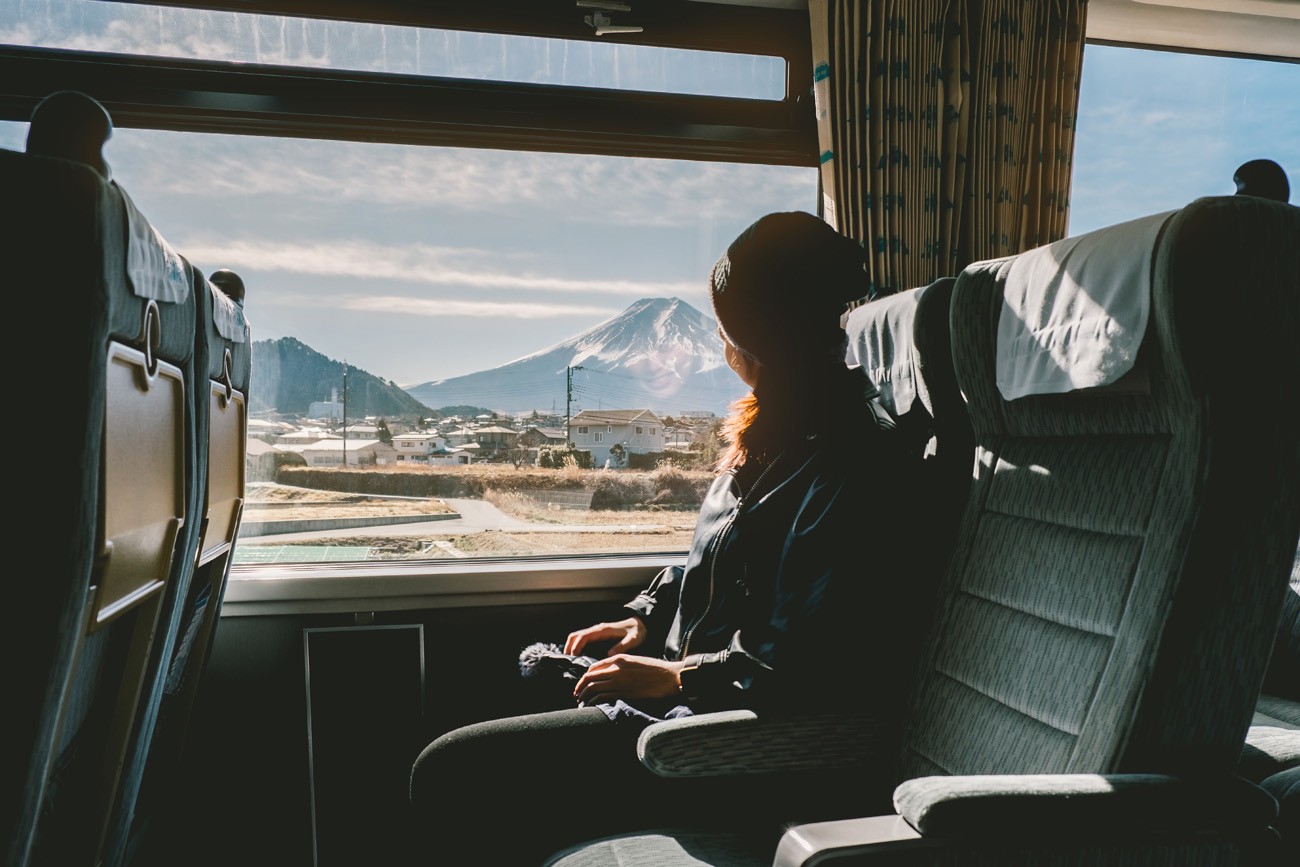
(781, 598)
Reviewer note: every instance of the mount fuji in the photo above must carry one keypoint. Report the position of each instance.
(660, 354)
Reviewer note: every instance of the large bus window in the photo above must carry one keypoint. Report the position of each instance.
(426, 274)
(1157, 129)
(426, 310)
(201, 34)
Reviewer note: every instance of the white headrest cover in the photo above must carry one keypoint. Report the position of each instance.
(881, 341)
(153, 268)
(1074, 311)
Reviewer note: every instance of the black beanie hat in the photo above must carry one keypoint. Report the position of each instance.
(780, 289)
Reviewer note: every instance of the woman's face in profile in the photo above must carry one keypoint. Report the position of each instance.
(744, 366)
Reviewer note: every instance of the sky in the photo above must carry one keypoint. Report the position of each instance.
(418, 264)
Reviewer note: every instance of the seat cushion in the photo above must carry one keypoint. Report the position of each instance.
(1273, 740)
(676, 848)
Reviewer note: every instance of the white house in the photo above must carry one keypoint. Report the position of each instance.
(330, 453)
(304, 436)
(638, 431)
(418, 445)
(460, 436)
(362, 431)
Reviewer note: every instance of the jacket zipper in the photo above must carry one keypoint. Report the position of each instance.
(713, 555)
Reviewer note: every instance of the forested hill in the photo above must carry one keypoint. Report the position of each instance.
(288, 376)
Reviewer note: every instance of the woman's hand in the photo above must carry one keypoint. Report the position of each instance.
(628, 677)
(626, 635)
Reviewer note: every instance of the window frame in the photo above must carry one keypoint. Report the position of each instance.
(259, 99)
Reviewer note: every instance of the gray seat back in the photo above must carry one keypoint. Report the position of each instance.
(223, 362)
(113, 312)
(1120, 567)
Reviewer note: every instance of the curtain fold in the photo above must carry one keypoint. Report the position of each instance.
(946, 128)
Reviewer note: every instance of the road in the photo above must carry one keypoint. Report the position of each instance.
(475, 516)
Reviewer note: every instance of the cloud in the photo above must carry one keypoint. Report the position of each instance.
(476, 309)
(596, 189)
(416, 263)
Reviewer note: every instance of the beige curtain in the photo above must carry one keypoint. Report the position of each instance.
(946, 128)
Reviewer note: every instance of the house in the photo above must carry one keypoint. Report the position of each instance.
(417, 446)
(331, 453)
(450, 457)
(495, 438)
(460, 436)
(536, 435)
(362, 431)
(638, 431)
(304, 436)
(261, 460)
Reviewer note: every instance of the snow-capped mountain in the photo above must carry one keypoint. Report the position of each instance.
(660, 354)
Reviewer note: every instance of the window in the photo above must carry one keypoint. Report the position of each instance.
(638, 430)
(1158, 129)
(451, 250)
(210, 35)
(599, 438)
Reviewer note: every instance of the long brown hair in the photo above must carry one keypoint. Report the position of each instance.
(791, 401)
(735, 432)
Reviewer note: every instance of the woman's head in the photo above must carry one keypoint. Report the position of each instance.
(782, 286)
(779, 293)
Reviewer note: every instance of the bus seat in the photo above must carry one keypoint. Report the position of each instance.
(115, 508)
(1105, 622)
(223, 350)
(903, 341)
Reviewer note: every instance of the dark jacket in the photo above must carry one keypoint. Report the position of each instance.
(795, 585)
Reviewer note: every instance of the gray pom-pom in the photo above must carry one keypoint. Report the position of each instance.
(532, 656)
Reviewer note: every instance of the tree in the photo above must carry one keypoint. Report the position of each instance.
(385, 435)
(619, 453)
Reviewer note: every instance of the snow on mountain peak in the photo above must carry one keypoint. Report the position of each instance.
(659, 353)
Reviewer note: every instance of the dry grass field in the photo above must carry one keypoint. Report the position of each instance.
(645, 527)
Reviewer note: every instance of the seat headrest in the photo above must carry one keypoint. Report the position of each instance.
(881, 341)
(1075, 311)
(155, 270)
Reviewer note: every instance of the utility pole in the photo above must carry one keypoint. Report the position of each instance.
(345, 413)
(568, 401)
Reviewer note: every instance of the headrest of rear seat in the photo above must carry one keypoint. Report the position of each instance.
(881, 341)
(155, 269)
(1075, 311)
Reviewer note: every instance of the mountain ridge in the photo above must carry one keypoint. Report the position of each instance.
(659, 353)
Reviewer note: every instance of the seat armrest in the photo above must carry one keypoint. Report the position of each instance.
(1009, 819)
(815, 842)
(1063, 804)
(743, 742)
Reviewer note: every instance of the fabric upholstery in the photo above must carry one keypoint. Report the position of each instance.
(64, 240)
(1137, 665)
(1284, 786)
(676, 847)
(1076, 805)
(741, 742)
(1278, 710)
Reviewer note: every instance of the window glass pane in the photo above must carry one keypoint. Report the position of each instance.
(1157, 129)
(96, 25)
(430, 273)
